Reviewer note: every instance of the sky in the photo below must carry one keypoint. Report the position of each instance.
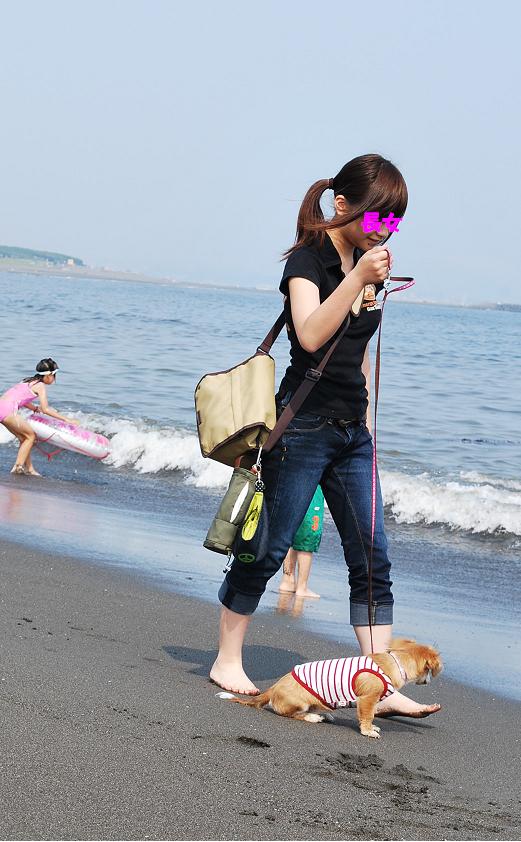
(179, 139)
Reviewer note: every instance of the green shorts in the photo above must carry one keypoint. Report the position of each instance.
(309, 533)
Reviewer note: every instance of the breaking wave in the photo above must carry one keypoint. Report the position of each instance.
(478, 505)
(150, 449)
(473, 502)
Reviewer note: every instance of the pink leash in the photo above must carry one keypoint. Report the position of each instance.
(409, 282)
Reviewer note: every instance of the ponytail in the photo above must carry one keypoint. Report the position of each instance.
(311, 216)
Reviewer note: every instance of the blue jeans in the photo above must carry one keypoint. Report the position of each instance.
(318, 450)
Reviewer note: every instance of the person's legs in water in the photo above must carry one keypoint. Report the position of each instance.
(347, 486)
(295, 574)
(30, 469)
(25, 434)
(306, 542)
(287, 582)
(304, 560)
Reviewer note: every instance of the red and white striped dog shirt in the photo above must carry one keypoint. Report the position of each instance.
(332, 681)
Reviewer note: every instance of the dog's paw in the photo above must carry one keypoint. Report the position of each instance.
(224, 695)
(314, 717)
(374, 733)
(376, 728)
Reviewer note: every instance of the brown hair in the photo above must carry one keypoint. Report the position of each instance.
(369, 183)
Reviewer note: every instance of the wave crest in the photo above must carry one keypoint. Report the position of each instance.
(151, 450)
(487, 507)
(473, 503)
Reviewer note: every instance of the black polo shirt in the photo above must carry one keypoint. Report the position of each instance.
(341, 391)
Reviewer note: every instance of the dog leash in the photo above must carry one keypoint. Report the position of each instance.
(405, 283)
(312, 376)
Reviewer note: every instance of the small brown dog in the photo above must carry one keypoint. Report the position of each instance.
(326, 685)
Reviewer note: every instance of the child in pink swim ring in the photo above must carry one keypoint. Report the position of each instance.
(24, 394)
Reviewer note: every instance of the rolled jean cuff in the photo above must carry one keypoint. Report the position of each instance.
(240, 603)
(382, 614)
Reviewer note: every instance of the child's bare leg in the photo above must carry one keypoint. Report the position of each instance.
(17, 468)
(30, 469)
(25, 434)
(304, 560)
(287, 583)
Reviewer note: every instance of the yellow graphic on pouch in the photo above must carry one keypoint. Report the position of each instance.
(251, 520)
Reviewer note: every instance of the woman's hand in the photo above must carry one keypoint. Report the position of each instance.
(374, 265)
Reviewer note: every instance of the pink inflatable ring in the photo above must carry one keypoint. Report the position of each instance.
(69, 437)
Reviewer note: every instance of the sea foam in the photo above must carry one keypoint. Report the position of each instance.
(480, 507)
(151, 449)
(471, 502)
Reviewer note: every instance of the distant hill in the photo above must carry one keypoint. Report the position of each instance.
(47, 257)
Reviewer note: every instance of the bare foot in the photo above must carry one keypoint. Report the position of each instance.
(231, 676)
(18, 469)
(307, 594)
(400, 705)
(32, 473)
(287, 584)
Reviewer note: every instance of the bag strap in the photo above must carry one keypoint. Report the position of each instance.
(269, 339)
(312, 377)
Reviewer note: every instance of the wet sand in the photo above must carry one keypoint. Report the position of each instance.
(111, 730)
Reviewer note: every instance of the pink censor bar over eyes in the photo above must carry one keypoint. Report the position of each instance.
(371, 221)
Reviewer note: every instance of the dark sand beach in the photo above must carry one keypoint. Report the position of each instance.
(111, 730)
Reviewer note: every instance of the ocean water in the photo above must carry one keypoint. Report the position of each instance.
(130, 356)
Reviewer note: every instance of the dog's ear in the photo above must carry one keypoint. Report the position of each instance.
(434, 663)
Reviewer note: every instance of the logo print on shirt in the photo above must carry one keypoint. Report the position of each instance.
(370, 303)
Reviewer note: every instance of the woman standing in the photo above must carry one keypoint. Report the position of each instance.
(24, 394)
(334, 267)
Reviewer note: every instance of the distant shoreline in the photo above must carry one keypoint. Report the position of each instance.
(21, 267)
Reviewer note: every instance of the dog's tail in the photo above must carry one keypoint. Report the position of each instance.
(259, 701)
